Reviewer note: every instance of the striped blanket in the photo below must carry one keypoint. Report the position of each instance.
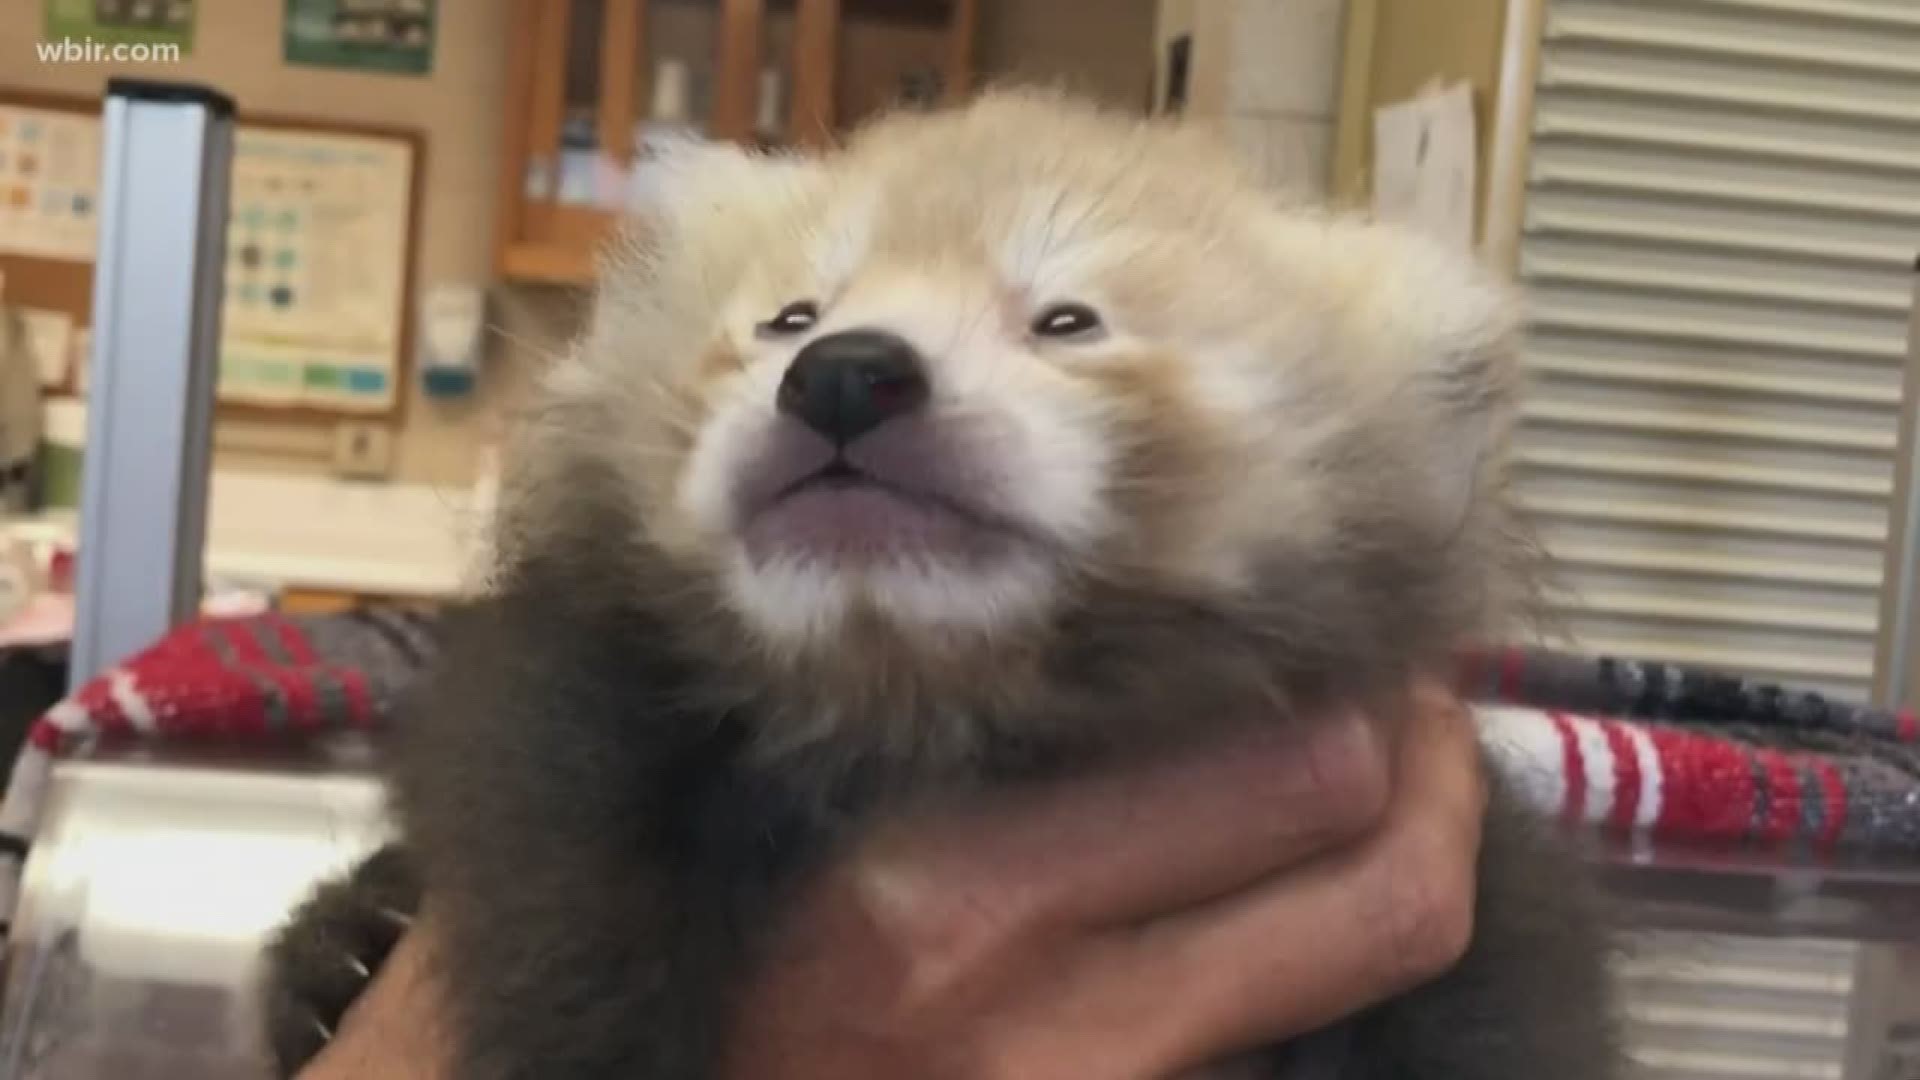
(252, 678)
(1667, 753)
(1645, 751)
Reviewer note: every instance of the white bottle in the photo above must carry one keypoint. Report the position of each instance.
(578, 156)
(666, 124)
(767, 125)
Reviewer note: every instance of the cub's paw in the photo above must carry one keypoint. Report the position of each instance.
(321, 961)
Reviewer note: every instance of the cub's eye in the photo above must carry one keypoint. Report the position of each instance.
(1066, 320)
(792, 319)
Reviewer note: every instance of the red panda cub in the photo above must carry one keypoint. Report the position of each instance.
(1003, 442)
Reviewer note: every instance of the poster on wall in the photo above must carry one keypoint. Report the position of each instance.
(49, 181)
(316, 270)
(123, 22)
(392, 36)
(1423, 164)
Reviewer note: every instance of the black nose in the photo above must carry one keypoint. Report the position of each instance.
(846, 384)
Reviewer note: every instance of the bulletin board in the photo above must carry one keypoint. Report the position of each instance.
(321, 238)
(47, 264)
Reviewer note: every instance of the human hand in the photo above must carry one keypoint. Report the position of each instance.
(1132, 924)
(1135, 924)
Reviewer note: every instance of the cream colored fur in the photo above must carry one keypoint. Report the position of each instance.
(1253, 349)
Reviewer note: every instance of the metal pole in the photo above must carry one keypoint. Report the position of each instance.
(157, 285)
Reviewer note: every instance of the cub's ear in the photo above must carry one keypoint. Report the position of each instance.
(698, 211)
(690, 179)
(1469, 373)
(1435, 337)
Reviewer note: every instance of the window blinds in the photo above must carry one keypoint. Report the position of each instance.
(1712, 1007)
(1722, 210)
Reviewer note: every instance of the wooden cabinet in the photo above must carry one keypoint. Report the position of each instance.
(591, 81)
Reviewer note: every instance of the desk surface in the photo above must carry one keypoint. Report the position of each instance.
(291, 531)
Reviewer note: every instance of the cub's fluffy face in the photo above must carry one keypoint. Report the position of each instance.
(952, 380)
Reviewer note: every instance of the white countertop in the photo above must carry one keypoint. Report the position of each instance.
(314, 532)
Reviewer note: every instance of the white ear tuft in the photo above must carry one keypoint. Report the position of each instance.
(702, 214)
(687, 178)
(1469, 379)
(1435, 335)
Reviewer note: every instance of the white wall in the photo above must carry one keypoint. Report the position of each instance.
(1268, 71)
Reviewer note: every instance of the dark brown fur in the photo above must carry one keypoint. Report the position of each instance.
(611, 787)
(580, 792)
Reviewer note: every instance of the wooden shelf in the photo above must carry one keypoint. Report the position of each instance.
(550, 264)
(562, 247)
(924, 12)
(584, 227)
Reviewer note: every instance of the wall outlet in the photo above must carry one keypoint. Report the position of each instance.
(363, 450)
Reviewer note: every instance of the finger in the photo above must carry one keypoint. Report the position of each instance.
(1315, 945)
(1126, 846)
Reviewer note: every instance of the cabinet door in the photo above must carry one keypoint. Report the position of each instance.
(594, 83)
(568, 81)
(796, 72)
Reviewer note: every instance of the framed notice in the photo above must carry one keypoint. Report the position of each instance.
(122, 22)
(394, 36)
(49, 182)
(317, 312)
(318, 268)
